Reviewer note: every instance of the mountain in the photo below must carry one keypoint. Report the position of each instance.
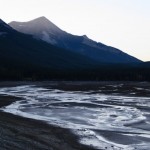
(22, 54)
(145, 65)
(27, 57)
(43, 29)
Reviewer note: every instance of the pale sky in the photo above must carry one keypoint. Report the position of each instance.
(124, 24)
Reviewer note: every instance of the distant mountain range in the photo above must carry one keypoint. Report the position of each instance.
(42, 28)
(38, 49)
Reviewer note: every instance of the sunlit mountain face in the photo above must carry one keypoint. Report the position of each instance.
(21, 47)
(42, 28)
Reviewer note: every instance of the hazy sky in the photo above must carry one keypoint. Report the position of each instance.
(124, 24)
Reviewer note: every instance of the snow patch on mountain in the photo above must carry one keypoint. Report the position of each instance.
(46, 38)
(21, 25)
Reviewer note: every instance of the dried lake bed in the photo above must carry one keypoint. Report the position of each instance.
(104, 115)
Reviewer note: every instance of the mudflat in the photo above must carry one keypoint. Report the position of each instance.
(105, 115)
(18, 133)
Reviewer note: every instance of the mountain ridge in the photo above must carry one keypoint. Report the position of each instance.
(24, 49)
(43, 29)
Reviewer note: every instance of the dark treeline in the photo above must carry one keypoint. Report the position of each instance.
(109, 73)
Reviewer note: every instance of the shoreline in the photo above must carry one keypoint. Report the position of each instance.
(17, 133)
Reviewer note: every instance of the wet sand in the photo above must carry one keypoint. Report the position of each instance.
(18, 133)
